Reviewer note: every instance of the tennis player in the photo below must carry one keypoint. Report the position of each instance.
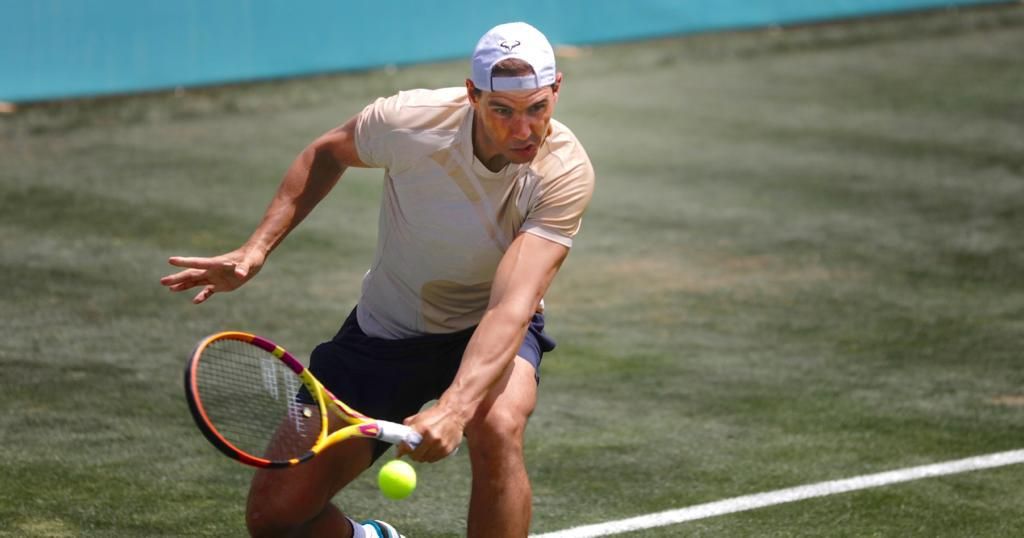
(483, 194)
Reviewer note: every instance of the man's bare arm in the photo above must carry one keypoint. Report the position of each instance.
(523, 276)
(308, 180)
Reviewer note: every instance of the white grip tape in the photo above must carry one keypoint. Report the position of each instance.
(394, 433)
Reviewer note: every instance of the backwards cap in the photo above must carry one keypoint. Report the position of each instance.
(513, 40)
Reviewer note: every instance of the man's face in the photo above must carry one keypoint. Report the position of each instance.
(511, 125)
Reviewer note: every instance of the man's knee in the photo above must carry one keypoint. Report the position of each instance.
(262, 523)
(498, 430)
(283, 501)
(264, 520)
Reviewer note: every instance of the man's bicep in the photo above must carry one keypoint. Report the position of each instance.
(340, 143)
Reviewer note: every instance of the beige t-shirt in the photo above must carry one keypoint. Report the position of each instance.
(446, 220)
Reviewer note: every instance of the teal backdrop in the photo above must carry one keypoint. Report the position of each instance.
(52, 49)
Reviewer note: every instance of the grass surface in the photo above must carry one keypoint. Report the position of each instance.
(803, 262)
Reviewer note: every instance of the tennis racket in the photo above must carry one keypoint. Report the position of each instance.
(260, 406)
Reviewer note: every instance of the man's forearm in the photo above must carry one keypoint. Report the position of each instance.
(308, 180)
(489, 353)
(523, 276)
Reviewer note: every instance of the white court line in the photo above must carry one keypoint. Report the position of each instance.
(770, 498)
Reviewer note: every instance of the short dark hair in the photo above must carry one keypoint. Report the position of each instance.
(509, 67)
(512, 67)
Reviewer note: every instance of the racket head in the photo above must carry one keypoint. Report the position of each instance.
(254, 401)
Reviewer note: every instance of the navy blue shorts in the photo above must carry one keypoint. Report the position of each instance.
(392, 379)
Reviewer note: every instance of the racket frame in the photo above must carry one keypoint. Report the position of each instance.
(359, 425)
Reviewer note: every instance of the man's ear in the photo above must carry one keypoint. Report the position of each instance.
(471, 92)
(557, 85)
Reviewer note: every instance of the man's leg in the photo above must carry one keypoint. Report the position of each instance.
(501, 501)
(296, 501)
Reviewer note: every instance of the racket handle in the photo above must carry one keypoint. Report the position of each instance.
(394, 433)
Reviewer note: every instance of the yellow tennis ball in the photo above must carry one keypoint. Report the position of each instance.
(397, 479)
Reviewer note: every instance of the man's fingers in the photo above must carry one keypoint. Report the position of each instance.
(216, 274)
(432, 455)
(415, 453)
(420, 453)
(203, 295)
(438, 441)
(427, 452)
(185, 285)
(188, 275)
(200, 263)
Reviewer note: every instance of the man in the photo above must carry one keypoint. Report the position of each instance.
(483, 195)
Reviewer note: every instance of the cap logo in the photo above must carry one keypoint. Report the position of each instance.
(509, 45)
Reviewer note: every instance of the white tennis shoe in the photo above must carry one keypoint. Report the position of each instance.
(378, 529)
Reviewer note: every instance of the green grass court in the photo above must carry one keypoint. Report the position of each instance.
(804, 262)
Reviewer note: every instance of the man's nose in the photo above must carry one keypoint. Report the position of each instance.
(520, 127)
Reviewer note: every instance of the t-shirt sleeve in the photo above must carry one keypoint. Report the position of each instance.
(558, 213)
(374, 125)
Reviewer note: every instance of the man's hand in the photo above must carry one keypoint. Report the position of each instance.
(218, 274)
(442, 430)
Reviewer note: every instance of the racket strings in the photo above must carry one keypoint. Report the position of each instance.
(250, 399)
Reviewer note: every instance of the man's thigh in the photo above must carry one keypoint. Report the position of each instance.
(508, 404)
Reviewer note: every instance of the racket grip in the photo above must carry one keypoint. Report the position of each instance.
(394, 433)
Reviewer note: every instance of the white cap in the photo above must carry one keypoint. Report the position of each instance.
(513, 40)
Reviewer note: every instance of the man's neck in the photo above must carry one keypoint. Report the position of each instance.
(495, 161)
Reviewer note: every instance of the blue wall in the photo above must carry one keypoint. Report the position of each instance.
(65, 48)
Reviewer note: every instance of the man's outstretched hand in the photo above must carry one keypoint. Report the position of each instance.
(216, 275)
